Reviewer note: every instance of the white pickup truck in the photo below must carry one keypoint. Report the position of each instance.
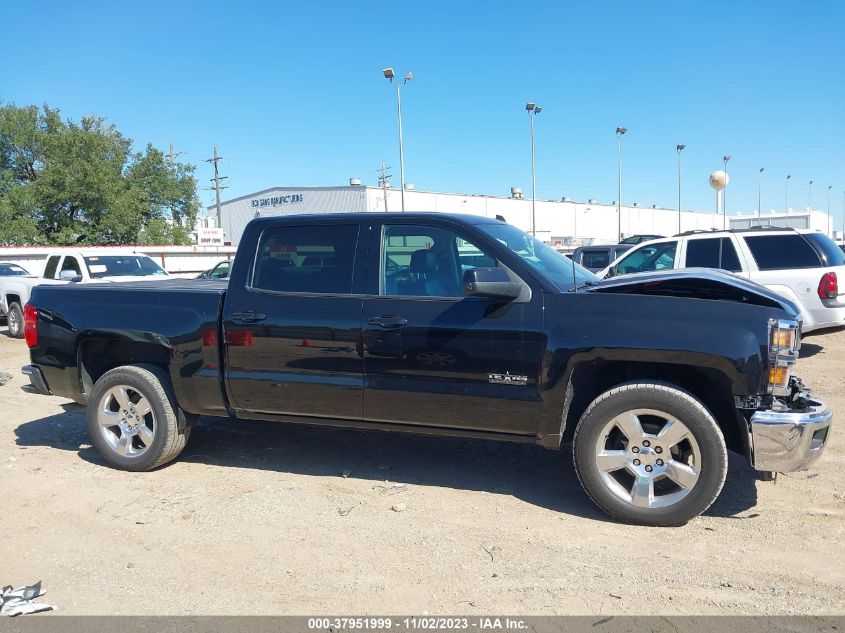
(85, 266)
(802, 265)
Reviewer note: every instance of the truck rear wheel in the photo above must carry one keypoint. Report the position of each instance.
(132, 418)
(651, 454)
(15, 320)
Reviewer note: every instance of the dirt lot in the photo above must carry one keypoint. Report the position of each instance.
(259, 518)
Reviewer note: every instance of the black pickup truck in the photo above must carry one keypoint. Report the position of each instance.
(449, 325)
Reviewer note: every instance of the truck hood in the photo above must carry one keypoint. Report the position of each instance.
(696, 283)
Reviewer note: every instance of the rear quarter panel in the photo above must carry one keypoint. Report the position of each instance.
(85, 330)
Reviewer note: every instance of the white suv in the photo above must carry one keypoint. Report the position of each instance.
(803, 266)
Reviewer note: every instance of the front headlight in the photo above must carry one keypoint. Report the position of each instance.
(784, 341)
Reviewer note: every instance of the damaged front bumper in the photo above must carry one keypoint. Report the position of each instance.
(791, 434)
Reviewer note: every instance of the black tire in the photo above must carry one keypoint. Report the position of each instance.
(152, 383)
(684, 408)
(15, 320)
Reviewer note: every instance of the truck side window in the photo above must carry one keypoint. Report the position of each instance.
(52, 265)
(595, 258)
(652, 257)
(427, 261)
(782, 252)
(712, 252)
(314, 259)
(70, 263)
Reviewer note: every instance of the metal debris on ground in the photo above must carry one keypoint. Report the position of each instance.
(20, 601)
(393, 489)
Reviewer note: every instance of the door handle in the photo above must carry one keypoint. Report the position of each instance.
(388, 321)
(248, 317)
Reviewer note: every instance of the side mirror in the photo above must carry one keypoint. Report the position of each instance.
(490, 282)
(69, 275)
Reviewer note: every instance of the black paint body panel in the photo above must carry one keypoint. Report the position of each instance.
(318, 358)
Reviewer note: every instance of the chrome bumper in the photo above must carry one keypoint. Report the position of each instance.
(785, 441)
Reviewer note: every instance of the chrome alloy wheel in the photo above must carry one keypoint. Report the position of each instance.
(12, 322)
(126, 421)
(648, 458)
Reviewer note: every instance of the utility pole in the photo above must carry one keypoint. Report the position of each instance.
(384, 182)
(216, 180)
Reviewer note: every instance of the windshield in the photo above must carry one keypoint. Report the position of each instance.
(12, 270)
(552, 265)
(122, 266)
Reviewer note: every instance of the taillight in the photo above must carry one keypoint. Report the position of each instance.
(828, 286)
(30, 324)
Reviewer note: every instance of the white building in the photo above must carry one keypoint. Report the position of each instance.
(563, 223)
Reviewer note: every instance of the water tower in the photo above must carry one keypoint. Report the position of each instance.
(719, 179)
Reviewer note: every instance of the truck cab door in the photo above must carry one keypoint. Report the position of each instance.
(434, 356)
(292, 327)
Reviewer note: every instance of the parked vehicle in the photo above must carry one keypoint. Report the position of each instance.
(639, 239)
(84, 267)
(651, 377)
(9, 269)
(803, 266)
(597, 257)
(219, 271)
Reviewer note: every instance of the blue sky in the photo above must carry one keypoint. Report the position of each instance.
(293, 92)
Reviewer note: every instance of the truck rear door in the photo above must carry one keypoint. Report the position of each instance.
(292, 330)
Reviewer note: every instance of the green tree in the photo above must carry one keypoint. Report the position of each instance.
(66, 182)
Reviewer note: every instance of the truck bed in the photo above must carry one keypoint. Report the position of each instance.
(90, 328)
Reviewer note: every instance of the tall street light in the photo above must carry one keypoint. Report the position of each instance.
(786, 196)
(725, 158)
(810, 197)
(829, 218)
(619, 132)
(679, 148)
(389, 74)
(759, 192)
(533, 110)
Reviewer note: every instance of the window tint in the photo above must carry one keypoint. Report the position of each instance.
(12, 270)
(100, 266)
(221, 271)
(831, 253)
(595, 259)
(70, 263)
(651, 257)
(317, 259)
(427, 261)
(52, 265)
(780, 252)
(713, 252)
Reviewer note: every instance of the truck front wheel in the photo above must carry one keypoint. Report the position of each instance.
(649, 453)
(132, 418)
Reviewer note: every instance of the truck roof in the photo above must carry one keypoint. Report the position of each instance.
(374, 215)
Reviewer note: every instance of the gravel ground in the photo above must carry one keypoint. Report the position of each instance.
(266, 518)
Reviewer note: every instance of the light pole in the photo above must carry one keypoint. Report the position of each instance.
(786, 196)
(533, 110)
(810, 197)
(829, 218)
(679, 148)
(725, 158)
(619, 132)
(759, 192)
(389, 74)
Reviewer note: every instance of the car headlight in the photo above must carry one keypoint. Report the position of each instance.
(784, 341)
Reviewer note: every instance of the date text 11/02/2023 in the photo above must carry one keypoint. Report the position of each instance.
(428, 623)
